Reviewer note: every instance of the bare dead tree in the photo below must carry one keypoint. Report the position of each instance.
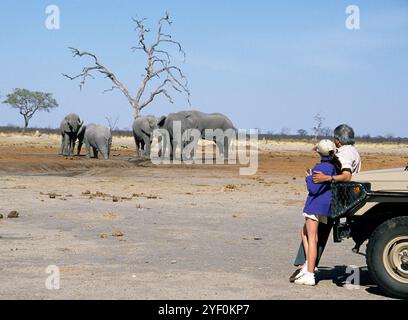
(317, 129)
(112, 123)
(159, 66)
(327, 132)
(285, 131)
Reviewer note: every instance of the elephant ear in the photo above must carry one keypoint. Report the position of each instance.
(152, 122)
(160, 121)
(65, 126)
(192, 121)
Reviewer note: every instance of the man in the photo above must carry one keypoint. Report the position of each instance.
(350, 164)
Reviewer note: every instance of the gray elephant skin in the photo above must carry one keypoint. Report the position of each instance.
(99, 138)
(69, 129)
(143, 128)
(195, 120)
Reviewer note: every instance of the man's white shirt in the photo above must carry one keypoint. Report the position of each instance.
(349, 158)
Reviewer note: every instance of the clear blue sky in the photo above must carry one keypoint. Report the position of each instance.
(266, 64)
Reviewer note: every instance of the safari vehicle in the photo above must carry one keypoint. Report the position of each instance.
(374, 207)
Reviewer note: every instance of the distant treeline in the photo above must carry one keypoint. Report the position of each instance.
(261, 136)
(308, 138)
(15, 129)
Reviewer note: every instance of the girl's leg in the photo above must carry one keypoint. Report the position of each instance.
(303, 235)
(311, 233)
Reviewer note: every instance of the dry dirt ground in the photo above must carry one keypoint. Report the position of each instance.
(127, 229)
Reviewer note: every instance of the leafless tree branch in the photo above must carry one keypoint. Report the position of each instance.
(158, 64)
(160, 90)
(98, 67)
(112, 123)
(111, 89)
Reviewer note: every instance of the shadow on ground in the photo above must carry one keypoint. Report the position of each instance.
(344, 275)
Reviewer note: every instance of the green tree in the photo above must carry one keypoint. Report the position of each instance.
(302, 132)
(29, 102)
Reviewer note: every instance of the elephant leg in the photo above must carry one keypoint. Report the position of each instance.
(185, 153)
(220, 147)
(227, 146)
(163, 147)
(61, 152)
(163, 142)
(146, 143)
(142, 148)
(104, 149)
(173, 148)
(95, 152)
(104, 152)
(177, 144)
(193, 148)
(139, 148)
(79, 148)
(137, 145)
(66, 145)
(160, 146)
(88, 150)
(71, 147)
(167, 144)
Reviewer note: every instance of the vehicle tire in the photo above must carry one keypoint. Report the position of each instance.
(387, 257)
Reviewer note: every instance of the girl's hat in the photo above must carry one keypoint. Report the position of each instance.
(325, 146)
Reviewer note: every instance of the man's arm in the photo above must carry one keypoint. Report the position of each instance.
(315, 188)
(320, 177)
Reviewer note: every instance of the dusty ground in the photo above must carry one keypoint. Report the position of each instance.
(185, 232)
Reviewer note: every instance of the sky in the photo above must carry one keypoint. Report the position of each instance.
(265, 64)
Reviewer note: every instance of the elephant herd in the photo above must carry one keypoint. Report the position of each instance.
(100, 138)
(143, 128)
(92, 135)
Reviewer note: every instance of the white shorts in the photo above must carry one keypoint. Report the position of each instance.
(320, 219)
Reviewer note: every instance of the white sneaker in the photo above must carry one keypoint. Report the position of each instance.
(307, 279)
(302, 271)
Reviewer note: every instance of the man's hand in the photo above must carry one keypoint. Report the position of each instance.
(320, 177)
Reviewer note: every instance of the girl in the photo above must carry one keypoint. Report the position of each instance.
(317, 209)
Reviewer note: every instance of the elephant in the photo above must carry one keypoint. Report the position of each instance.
(143, 128)
(167, 122)
(195, 120)
(99, 138)
(211, 121)
(69, 129)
